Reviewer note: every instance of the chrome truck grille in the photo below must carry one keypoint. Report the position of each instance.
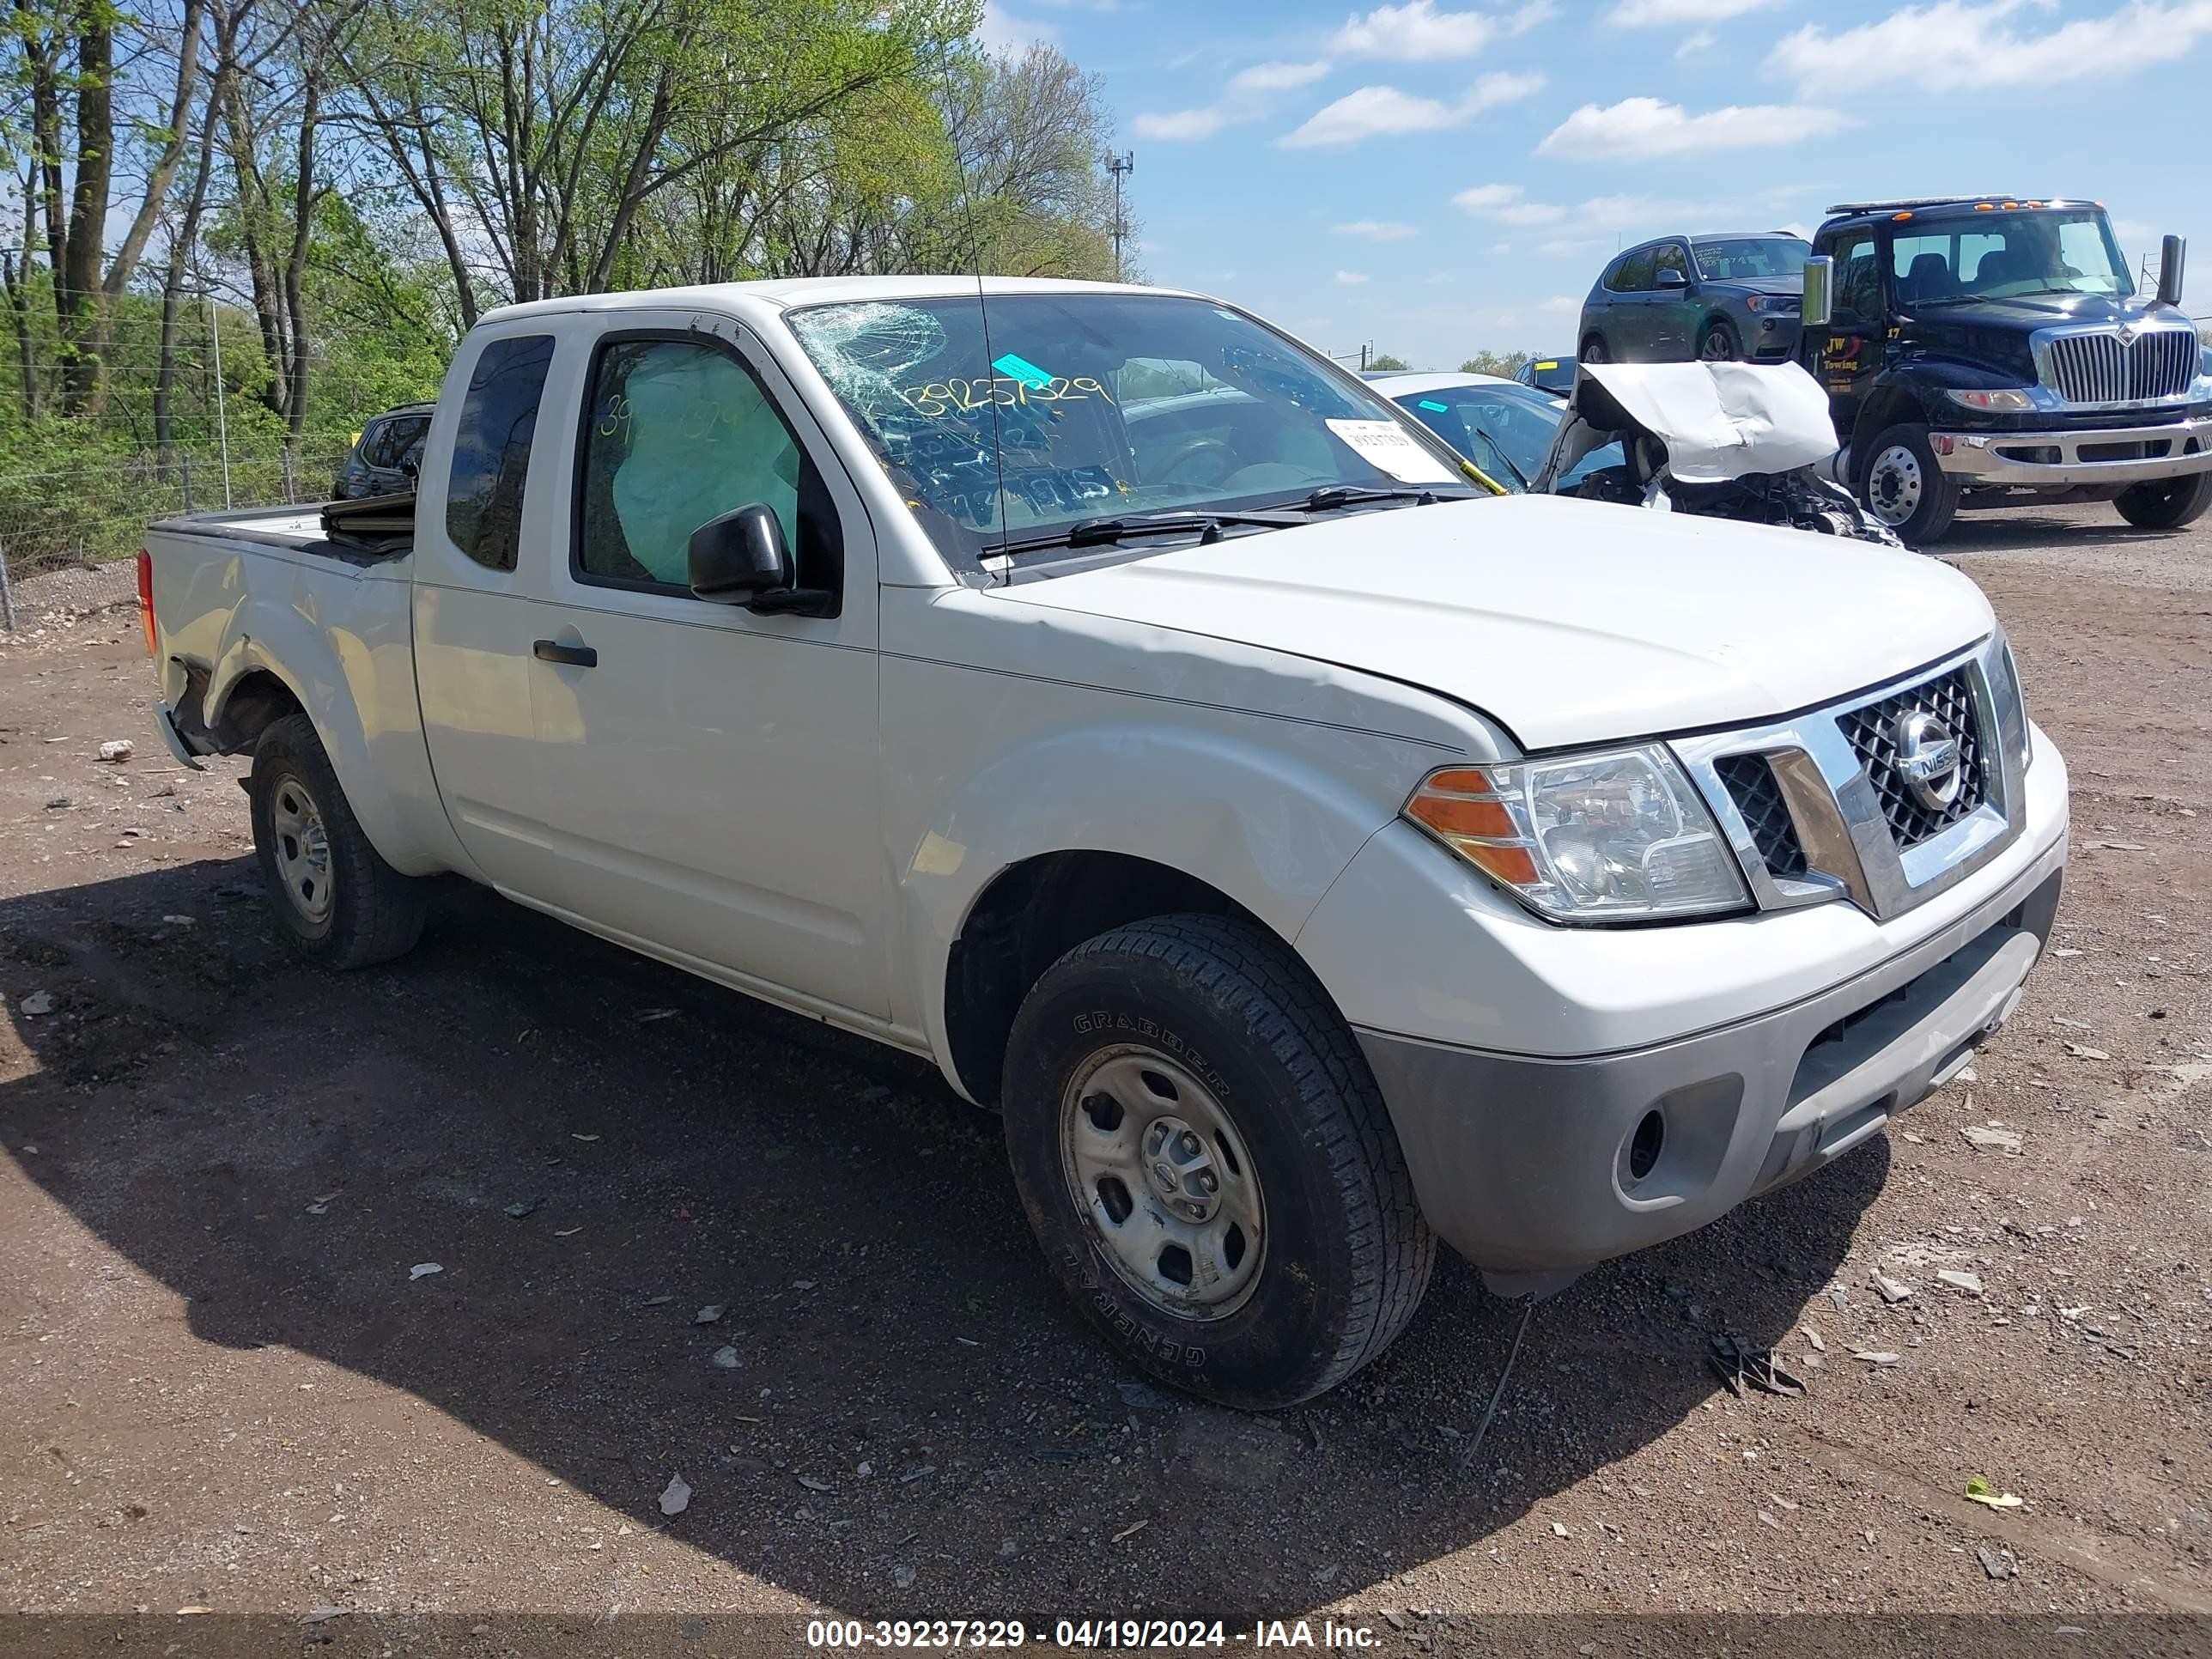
(2099, 369)
(1885, 799)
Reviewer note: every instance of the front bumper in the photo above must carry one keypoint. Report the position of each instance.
(2072, 457)
(1523, 1164)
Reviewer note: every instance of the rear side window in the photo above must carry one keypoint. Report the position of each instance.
(388, 443)
(492, 449)
(676, 432)
(1633, 274)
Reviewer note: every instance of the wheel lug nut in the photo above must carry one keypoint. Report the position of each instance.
(1208, 1183)
(1189, 1144)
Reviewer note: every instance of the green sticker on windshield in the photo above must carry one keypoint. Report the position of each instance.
(1020, 369)
(1441, 408)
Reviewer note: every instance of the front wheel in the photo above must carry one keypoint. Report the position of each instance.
(1204, 1159)
(1718, 343)
(2166, 503)
(1904, 487)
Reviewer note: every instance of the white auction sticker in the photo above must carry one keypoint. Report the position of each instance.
(1392, 449)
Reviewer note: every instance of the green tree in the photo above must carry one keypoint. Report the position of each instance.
(1504, 364)
(1384, 360)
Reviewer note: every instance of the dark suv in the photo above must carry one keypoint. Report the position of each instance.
(383, 459)
(1679, 297)
(1994, 351)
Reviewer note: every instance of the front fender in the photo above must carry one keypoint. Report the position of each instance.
(1271, 829)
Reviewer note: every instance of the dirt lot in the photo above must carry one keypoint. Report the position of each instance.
(227, 1389)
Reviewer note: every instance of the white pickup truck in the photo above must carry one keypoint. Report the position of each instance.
(1310, 851)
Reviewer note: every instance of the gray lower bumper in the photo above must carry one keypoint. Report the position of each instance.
(2068, 458)
(166, 719)
(1525, 1166)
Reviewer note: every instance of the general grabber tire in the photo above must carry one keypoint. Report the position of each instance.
(1208, 1163)
(337, 899)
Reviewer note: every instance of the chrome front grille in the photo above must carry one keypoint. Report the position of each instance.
(1823, 804)
(1872, 732)
(1751, 784)
(2096, 368)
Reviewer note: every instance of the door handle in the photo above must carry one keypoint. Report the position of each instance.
(574, 656)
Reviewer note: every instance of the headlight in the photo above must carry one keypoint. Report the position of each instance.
(2001, 400)
(1606, 837)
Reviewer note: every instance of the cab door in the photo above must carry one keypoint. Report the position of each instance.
(1671, 316)
(708, 777)
(1849, 356)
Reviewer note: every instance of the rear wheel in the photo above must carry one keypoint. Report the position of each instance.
(341, 904)
(1718, 343)
(1204, 1159)
(1904, 487)
(1593, 351)
(2166, 503)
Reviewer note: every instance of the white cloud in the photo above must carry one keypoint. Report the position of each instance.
(1374, 110)
(1673, 13)
(1417, 33)
(1565, 247)
(1351, 278)
(1955, 43)
(1380, 230)
(1503, 204)
(1561, 305)
(1249, 96)
(1703, 41)
(1640, 128)
(1003, 35)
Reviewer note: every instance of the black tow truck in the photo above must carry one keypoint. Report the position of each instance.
(1993, 351)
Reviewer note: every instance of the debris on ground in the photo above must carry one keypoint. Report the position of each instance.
(524, 1206)
(1130, 1531)
(1892, 1290)
(902, 1577)
(812, 1484)
(39, 1002)
(2082, 1051)
(1998, 1564)
(1814, 1337)
(2003, 1140)
(1738, 1365)
(727, 1358)
(709, 1314)
(1960, 1280)
(1978, 1490)
(1144, 1397)
(323, 1615)
(676, 1498)
(118, 749)
(647, 1016)
(424, 1269)
(1873, 1358)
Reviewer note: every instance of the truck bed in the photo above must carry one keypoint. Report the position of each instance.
(359, 532)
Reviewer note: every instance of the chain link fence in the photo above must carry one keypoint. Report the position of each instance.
(97, 510)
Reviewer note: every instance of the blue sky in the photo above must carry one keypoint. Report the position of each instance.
(1438, 177)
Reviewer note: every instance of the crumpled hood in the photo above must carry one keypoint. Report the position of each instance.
(1569, 622)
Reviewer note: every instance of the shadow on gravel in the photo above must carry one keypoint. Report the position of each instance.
(283, 1146)
(2006, 528)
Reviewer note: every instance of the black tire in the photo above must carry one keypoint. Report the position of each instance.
(1593, 351)
(352, 910)
(1344, 1254)
(2167, 503)
(1889, 486)
(1718, 343)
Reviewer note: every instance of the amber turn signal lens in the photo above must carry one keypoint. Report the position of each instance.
(1448, 815)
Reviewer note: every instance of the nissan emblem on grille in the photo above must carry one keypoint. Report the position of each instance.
(1927, 758)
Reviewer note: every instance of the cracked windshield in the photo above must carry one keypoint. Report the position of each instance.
(1026, 428)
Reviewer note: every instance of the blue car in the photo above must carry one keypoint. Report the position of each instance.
(1676, 297)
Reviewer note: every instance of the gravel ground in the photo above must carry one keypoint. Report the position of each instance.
(232, 1383)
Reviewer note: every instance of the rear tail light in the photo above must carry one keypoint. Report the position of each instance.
(146, 598)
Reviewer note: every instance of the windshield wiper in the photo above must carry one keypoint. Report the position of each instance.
(1105, 532)
(1498, 450)
(1329, 498)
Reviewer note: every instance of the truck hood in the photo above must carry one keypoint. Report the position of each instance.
(1567, 622)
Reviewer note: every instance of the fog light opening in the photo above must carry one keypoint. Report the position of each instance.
(1644, 1145)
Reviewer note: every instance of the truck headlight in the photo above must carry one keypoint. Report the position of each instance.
(1616, 836)
(1998, 401)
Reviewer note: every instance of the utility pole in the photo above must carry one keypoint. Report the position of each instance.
(1120, 165)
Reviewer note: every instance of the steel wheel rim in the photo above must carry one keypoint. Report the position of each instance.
(302, 849)
(1894, 485)
(1163, 1182)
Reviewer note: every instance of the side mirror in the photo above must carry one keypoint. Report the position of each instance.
(2172, 257)
(740, 557)
(1670, 278)
(1820, 292)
